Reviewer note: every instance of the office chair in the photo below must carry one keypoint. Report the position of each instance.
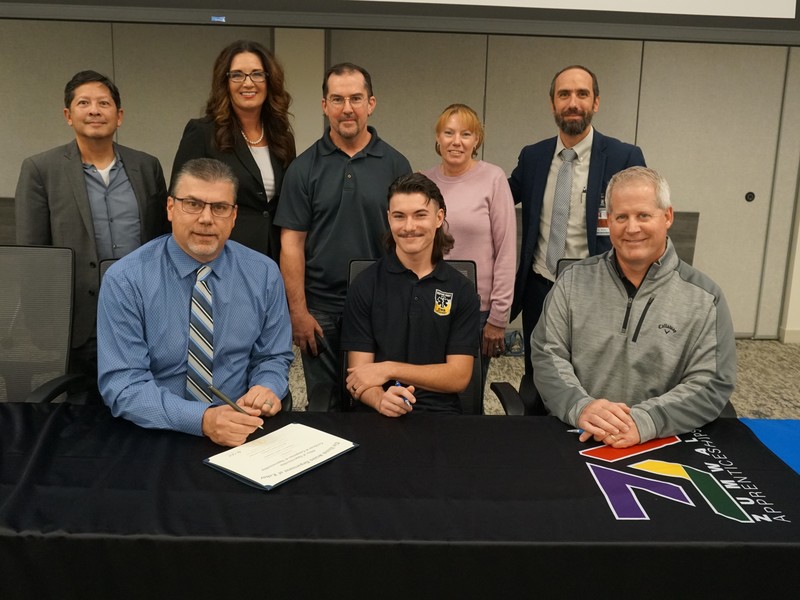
(36, 301)
(321, 399)
(104, 265)
(527, 394)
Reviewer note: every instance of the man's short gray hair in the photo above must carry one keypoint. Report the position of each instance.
(643, 175)
(209, 170)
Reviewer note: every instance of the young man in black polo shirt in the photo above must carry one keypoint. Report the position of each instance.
(411, 321)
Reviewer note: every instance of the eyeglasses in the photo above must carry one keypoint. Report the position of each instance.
(194, 207)
(255, 76)
(355, 101)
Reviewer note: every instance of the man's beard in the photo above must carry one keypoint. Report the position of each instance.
(574, 127)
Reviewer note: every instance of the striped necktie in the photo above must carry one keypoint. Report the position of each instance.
(560, 218)
(201, 340)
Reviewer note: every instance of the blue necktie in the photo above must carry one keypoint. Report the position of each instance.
(201, 340)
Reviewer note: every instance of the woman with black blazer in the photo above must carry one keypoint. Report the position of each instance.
(246, 126)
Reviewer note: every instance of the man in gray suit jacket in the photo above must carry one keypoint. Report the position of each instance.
(92, 195)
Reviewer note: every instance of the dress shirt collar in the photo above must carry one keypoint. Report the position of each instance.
(582, 148)
(185, 265)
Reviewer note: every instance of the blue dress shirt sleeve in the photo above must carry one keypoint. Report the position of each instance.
(126, 380)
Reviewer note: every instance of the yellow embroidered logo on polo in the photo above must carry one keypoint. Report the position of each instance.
(443, 301)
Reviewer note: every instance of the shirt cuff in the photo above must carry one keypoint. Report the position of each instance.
(644, 423)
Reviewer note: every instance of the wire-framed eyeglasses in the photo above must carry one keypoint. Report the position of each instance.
(194, 206)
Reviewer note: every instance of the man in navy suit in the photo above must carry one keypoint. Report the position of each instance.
(574, 99)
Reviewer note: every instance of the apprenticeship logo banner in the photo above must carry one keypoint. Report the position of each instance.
(627, 476)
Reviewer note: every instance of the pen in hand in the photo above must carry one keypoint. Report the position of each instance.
(398, 384)
(229, 402)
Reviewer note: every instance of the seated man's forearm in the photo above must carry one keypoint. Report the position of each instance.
(446, 378)
(152, 406)
(450, 377)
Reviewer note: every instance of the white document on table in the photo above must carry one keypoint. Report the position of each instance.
(281, 455)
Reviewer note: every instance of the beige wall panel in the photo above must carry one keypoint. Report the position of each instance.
(37, 58)
(789, 330)
(415, 76)
(164, 76)
(302, 53)
(779, 233)
(518, 110)
(709, 122)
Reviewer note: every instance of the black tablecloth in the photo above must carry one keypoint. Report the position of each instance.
(92, 506)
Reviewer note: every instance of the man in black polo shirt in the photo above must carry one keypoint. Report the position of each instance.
(331, 212)
(411, 321)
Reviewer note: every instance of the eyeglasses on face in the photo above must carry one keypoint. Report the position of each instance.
(240, 76)
(193, 206)
(356, 101)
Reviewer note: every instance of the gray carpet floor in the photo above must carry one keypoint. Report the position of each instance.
(767, 386)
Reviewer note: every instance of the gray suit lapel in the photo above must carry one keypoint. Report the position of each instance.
(77, 182)
(133, 170)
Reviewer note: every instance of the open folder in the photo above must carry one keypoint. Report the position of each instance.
(280, 456)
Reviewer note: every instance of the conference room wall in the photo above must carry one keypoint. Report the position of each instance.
(788, 188)
(416, 75)
(36, 59)
(709, 116)
(164, 76)
(163, 72)
(710, 120)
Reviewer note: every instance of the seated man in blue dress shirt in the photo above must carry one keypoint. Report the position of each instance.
(146, 301)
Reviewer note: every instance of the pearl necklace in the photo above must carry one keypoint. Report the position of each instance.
(255, 142)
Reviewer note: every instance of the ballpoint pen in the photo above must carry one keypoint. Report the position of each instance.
(229, 402)
(398, 384)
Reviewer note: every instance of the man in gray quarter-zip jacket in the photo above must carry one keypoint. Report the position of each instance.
(635, 344)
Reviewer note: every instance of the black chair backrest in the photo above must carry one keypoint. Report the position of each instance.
(472, 397)
(563, 263)
(683, 234)
(104, 265)
(36, 300)
(357, 266)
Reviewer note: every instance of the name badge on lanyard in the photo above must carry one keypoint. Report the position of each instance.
(602, 217)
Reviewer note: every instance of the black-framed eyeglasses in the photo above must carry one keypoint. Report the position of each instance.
(194, 207)
(255, 76)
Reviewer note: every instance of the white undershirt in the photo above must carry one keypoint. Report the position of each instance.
(104, 173)
(261, 156)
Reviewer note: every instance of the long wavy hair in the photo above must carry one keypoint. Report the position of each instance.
(274, 112)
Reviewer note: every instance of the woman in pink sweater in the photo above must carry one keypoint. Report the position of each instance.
(480, 212)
